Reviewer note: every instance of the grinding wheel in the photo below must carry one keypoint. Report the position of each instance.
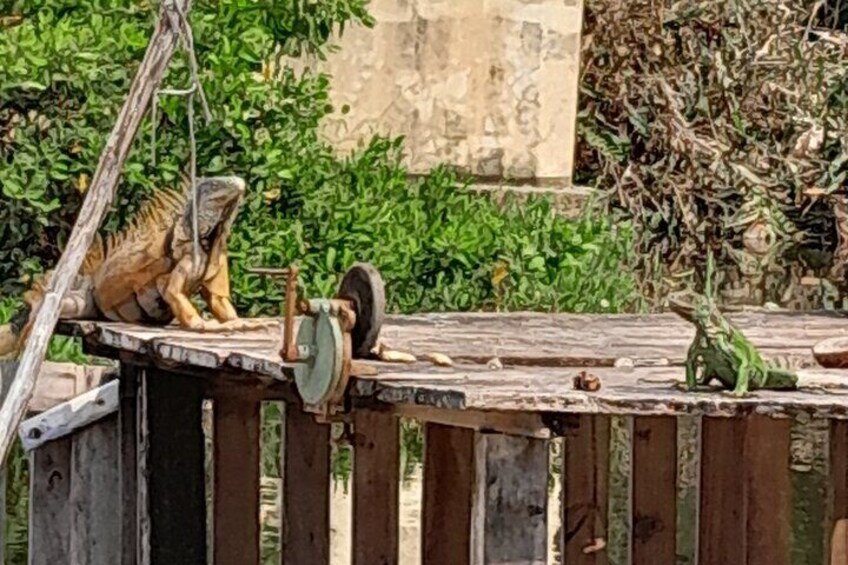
(363, 285)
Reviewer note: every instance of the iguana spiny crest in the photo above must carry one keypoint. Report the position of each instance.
(147, 272)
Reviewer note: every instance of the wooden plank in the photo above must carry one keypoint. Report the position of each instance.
(510, 500)
(745, 510)
(7, 370)
(49, 503)
(66, 418)
(511, 423)
(448, 490)
(838, 494)
(95, 497)
(96, 202)
(769, 490)
(128, 462)
(654, 511)
(236, 481)
(722, 528)
(306, 484)
(376, 488)
(520, 338)
(644, 391)
(172, 517)
(584, 492)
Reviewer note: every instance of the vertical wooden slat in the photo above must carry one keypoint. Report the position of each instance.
(173, 519)
(509, 515)
(654, 503)
(236, 476)
(838, 491)
(745, 511)
(376, 489)
(585, 480)
(448, 490)
(95, 494)
(128, 438)
(721, 537)
(769, 490)
(7, 371)
(306, 484)
(49, 508)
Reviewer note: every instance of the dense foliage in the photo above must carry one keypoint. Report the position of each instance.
(438, 247)
(720, 121)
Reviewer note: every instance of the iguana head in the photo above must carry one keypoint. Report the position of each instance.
(218, 201)
(690, 306)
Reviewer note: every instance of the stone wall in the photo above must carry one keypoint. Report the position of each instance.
(486, 85)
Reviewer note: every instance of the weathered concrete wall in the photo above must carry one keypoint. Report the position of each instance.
(487, 85)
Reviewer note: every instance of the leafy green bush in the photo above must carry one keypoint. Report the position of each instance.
(67, 67)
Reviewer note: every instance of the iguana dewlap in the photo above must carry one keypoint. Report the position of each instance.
(148, 272)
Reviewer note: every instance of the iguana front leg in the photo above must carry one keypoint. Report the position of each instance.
(177, 299)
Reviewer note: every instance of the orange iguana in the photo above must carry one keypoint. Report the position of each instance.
(147, 273)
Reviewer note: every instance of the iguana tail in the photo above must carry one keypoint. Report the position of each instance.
(781, 379)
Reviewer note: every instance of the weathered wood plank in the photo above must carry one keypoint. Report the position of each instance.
(96, 202)
(511, 423)
(128, 462)
(448, 495)
(510, 500)
(306, 484)
(7, 371)
(654, 502)
(838, 494)
(376, 488)
(722, 528)
(236, 478)
(584, 492)
(745, 512)
(49, 503)
(769, 490)
(517, 338)
(66, 418)
(173, 513)
(95, 494)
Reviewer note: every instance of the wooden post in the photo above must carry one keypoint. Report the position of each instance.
(306, 487)
(448, 495)
(95, 499)
(236, 476)
(172, 489)
(585, 473)
(838, 494)
(654, 512)
(128, 462)
(510, 500)
(7, 371)
(96, 203)
(49, 503)
(745, 509)
(376, 488)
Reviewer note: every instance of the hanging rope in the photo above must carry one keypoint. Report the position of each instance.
(179, 20)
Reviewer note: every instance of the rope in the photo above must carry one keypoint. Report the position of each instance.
(180, 21)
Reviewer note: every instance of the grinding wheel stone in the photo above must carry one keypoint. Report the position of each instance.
(363, 285)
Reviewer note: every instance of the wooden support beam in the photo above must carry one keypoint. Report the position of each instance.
(745, 510)
(306, 489)
(448, 495)
(95, 499)
(510, 500)
(236, 479)
(838, 494)
(49, 504)
(97, 200)
(585, 481)
(172, 489)
(654, 511)
(128, 462)
(376, 488)
(67, 418)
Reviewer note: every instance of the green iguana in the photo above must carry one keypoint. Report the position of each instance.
(721, 351)
(147, 272)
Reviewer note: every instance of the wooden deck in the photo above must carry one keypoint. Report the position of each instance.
(637, 358)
